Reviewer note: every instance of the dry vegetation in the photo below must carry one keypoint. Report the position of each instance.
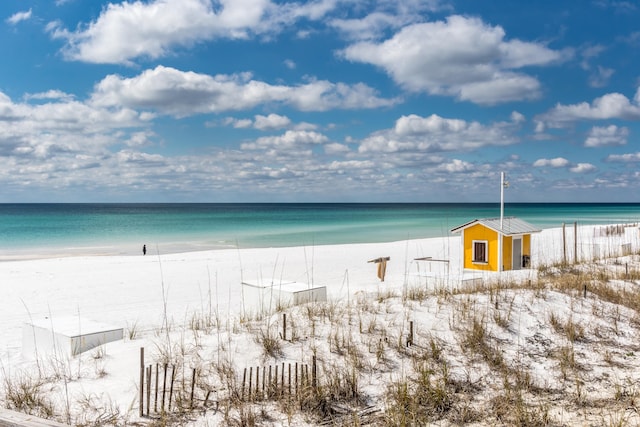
(559, 348)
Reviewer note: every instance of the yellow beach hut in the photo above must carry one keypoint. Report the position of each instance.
(495, 244)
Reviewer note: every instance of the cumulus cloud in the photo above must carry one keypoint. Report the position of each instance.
(607, 136)
(50, 94)
(606, 107)
(19, 17)
(181, 93)
(558, 162)
(624, 158)
(456, 166)
(271, 122)
(290, 140)
(384, 16)
(61, 125)
(461, 57)
(414, 133)
(131, 30)
(582, 168)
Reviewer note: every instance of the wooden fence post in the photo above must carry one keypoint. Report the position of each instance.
(244, 378)
(164, 386)
(282, 381)
(141, 381)
(149, 370)
(193, 385)
(314, 373)
(155, 405)
(257, 381)
(173, 377)
(275, 379)
(284, 326)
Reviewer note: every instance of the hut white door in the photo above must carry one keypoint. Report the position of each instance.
(517, 253)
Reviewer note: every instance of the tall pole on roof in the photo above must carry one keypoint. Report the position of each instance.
(503, 185)
(501, 199)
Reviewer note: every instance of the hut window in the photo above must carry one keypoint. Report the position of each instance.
(479, 251)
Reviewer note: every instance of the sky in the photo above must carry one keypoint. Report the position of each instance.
(319, 101)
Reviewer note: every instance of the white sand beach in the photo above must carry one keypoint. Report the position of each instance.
(136, 292)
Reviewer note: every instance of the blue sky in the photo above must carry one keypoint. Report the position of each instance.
(327, 101)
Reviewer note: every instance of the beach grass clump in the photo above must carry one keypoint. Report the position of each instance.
(98, 410)
(476, 339)
(269, 342)
(25, 393)
(419, 400)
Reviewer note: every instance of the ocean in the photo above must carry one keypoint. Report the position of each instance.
(28, 230)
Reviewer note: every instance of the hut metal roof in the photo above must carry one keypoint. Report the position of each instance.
(510, 226)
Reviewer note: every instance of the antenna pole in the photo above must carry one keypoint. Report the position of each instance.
(501, 199)
(500, 235)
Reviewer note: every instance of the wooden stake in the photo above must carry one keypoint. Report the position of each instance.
(289, 379)
(257, 381)
(275, 379)
(164, 385)
(149, 370)
(314, 373)
(244, 378)
(141, 381)
(270, 388)
(173, 377)
(193, 385)
(284, 326)
(155, 405)
(282, 381)
(250, 377)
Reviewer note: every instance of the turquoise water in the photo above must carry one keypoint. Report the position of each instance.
(123, 228)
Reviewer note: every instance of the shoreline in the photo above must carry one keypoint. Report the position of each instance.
(175, 247)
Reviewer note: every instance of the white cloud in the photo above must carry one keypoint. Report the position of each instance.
(624, 158)
(601, 76)
(609, 106)
(290, 140)
(131, 30)
(457, 165)
(414, 133)
(461, 57)
(271, 122)
(386, 15)
(517, 117)
(607, 136)
(336, 148)
(558, 162)
(50, 94)
(181, 94)
(582, 168)
(19, 17)
(61, 127)
(368, 27)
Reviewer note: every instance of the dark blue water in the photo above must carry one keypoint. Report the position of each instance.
(107, 227)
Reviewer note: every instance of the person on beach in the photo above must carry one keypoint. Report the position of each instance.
(144, 249)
